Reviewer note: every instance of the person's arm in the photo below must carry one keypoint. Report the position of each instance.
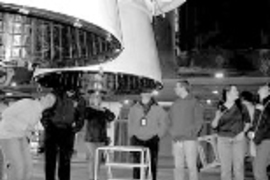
(253, 126)
(168, 120)
(198, 114)
(216, 119)
(109, 115)
(263, 125)
(246, 118)
(131, 115)
(257, 113)
(162, 122)
(79, 115)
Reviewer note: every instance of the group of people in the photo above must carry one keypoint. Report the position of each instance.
(148, 122)
(239, 121)
(62, 114)
(243, 128)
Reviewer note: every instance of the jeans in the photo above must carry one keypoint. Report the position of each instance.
(232, 154)
(261, 160)
(58, 146)
(185, 152)
(153, 145)
(91, 147)
(17, 154)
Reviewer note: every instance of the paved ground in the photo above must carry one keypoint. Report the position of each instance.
(165, 167)
(79, 171)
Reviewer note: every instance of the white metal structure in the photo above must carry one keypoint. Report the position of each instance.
(139, 56)
(158, 7)
(110, 163)
(102, 13)
(212, 141)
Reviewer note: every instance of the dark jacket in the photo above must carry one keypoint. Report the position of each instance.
(96, 127)
(263, 129)
(233, 120)
(67, 113)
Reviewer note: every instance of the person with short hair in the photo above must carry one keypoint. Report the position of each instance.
(97, 119)
(260, 133)
(17, 120)
(61, 123)
(146, 126)
(185, 119)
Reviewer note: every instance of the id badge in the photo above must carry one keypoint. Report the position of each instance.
(143, 121)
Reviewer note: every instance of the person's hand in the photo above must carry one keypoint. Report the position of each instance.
(251, 135)
(218, 114)
(259, 106)
(215, 122)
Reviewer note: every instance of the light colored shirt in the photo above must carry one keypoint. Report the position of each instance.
(155, 122)
(19, 118)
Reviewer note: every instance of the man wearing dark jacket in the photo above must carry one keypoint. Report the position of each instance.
(61, 123)
(260, 133)
(97, 119)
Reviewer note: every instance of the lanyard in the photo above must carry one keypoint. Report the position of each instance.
(143, 120)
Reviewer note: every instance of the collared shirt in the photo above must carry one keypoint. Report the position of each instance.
(155, 125)
(20, 117)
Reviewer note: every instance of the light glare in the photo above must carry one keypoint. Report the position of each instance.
(219, 75)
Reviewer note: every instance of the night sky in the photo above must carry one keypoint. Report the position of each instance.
(229, 24)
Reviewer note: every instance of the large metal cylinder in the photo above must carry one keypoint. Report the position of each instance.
(139, 58)
(46, 34)
(101, 13)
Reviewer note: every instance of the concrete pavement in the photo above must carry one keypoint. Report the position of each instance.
(79, 170)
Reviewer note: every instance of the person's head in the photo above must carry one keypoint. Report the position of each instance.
(146, 97)
(47, 100)
(247, 97)
(264, 91)
(230, 93)
(95, 99)
(182, 88)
